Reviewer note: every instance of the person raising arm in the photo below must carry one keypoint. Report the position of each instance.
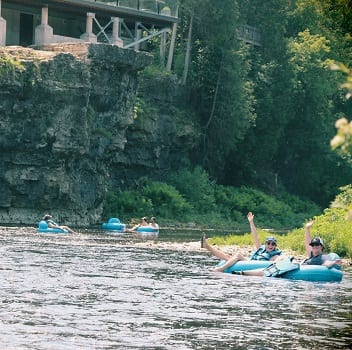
(315, 248)
(267, 252)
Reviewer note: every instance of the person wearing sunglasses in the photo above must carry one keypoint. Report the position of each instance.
(315, 248)
(267, 251)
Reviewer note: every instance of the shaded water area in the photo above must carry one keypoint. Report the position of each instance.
(99, 291)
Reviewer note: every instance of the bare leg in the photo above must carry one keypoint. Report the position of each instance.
(217, 252)
(229, 262)
(252, 273)
(67, 228)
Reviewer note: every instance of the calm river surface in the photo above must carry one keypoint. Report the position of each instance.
(95, 291)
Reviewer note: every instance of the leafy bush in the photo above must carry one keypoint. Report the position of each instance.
(269, 211)
(167, 201)
(343, 199)
(192, 196)
(196, 188)
(127, 204)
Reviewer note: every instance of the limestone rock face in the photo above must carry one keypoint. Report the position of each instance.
(63, 117)
(68, 131)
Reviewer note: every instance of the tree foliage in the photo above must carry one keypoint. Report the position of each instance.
(267, 113)
(217, 79)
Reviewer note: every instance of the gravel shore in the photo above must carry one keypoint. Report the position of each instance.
(182, 246)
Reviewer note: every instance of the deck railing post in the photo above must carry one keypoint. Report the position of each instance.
(116, 40)
(89, 36)
(43, 33)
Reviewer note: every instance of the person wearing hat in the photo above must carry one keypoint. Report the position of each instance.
(315, 248)
(267, 251)
(52, 224)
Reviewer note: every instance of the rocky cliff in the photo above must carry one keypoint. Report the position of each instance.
(70, 129)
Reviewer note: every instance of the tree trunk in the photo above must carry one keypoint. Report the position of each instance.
(188, 52)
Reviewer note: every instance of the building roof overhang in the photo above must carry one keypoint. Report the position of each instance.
(81, 7)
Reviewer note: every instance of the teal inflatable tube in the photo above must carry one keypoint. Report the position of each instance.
(44, 228)
(147, 229)
(312, 273)
(246, 265)
(115, 225)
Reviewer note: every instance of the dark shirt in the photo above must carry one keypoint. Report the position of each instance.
(315, 260)
(51, 222)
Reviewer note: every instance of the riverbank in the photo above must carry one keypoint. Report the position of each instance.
(231, 250)
(191, 246)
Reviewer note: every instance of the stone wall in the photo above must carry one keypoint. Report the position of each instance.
(68, 131)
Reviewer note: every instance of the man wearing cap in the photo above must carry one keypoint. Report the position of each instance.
(268, 251)
(314, 250)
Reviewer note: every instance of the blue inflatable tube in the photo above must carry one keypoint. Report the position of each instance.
(312, 273)
(246, 265)
(44, 228)
(147, 229)
(115, 225)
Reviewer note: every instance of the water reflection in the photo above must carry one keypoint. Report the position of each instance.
(104, 292)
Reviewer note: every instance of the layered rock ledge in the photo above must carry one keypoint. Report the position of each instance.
(64, 112)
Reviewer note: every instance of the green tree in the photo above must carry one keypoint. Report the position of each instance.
(253, 162)
(295, 102)
(343, 138)
(217, 80)
(309, 167)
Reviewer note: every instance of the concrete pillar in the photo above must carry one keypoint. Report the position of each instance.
(89, 36)
(116, 40)
(43, 33)
(2, 29)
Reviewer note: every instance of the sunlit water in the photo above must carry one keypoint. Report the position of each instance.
(95, 291)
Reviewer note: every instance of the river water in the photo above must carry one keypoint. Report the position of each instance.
(96, 291)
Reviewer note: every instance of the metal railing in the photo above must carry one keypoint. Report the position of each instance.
(161, 7)
(249, 35)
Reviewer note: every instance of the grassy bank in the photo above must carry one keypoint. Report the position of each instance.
(331, 226)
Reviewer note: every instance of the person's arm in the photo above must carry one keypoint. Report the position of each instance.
(331, 263)
(307, 237)
(52, 224)
(256, 241)
(134, 228)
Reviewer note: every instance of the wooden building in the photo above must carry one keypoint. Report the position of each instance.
(126, 23)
